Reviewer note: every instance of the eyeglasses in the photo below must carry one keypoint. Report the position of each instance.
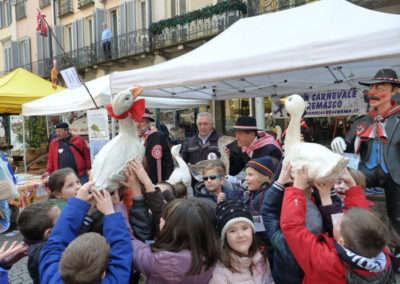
(211, 177)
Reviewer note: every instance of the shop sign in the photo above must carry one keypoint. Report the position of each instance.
(329, 103)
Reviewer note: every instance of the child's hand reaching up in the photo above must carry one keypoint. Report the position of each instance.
(324, 188)
(103, 201)
(132, 180)
(284, 176)
(301, 179)
(14, 253)
(84, 192)
(348, 179)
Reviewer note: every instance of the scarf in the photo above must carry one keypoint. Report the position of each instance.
(264, 139)
(147, 133)
(377, 129)
(136, 110)
(374, 264)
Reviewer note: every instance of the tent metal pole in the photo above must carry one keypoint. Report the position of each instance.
(47, 127)
(23, 142)
(214, 95)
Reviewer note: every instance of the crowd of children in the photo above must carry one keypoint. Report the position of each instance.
(276, 230)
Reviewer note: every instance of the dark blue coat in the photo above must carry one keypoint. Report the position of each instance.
(201, 191)
(67, 229)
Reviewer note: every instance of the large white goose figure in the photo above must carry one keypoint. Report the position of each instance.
(181, 173)
(109, 163)
(320, 161)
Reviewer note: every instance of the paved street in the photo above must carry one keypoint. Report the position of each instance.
(18, 274)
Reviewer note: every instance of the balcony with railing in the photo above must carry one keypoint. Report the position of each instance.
(84, 3)
(44, 3)
(20, 10)
(136, 43)
(65, 8)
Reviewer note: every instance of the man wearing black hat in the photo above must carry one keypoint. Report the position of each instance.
(68, 150)
(157, 158)
(376, 138)
(253, 144)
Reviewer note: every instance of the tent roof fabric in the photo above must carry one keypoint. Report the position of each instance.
(324, 45)
(21, 86)
(79, 99)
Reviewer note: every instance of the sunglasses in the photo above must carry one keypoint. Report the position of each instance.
(211, 177)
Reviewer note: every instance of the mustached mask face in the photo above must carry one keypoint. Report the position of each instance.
(380, 94)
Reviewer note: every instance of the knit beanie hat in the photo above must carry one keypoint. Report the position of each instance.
(264, 165)
(230, 211)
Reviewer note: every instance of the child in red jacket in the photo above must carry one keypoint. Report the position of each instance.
(356, 254)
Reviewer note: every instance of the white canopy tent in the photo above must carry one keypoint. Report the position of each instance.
(79, 99)
(326, 45)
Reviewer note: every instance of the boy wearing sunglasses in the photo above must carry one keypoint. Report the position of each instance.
(210, 187)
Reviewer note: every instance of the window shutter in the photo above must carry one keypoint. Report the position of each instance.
(1, 14)
(59, 33)
(130, 16)
(9, 13)
(40, 54)
(27, 53)
(182, 7)
(173, 8)
(81, 33)
(122, 18)
(7, 58)
(15, 54)
(99, 19)
(75, 35)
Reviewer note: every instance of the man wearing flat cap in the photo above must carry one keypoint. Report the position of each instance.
(157, 159)
(376, 138)
(68, 151)
(253, 144)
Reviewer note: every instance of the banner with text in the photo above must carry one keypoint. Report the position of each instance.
(329, 103)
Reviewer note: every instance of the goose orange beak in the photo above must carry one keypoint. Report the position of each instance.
(283, 100)
(136, 90)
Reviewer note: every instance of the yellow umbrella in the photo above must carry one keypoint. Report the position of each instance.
(21, 86)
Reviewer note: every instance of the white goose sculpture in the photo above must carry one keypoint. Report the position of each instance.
(320, 161)
(109, 163)
(181, 173)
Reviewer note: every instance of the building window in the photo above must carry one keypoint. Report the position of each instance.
(178, 7)
(5, 11)
(143, 14)
(114, 22)
(20, 10)
(44, 3)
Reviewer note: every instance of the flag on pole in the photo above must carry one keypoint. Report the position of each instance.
(41, 24)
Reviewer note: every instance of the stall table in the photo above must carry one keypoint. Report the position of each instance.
(31, 189)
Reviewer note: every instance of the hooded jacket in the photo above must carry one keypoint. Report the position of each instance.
(317, 255)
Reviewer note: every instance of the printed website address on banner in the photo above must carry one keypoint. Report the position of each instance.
(339, 111)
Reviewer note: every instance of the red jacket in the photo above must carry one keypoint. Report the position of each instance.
(316, 255)
(82, 164)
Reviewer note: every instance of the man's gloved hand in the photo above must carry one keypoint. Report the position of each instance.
(338, 145)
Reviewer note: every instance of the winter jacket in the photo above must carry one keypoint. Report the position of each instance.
(286, 268)
(254, 201)
(143, 223)
(83, 164)
(157, 149)
(67, 229)
(195, 151)
(165, 266)
(33, 259)
(317, 255)
(250, 271)
(201, 191)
